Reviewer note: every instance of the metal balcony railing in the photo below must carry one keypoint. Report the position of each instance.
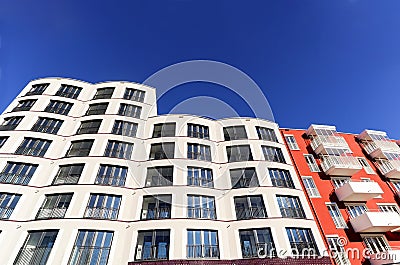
(203, 251)
(155, 252)
(50, 213)
(14, 178)
(259, 249)
(156, 213)
(32, 255)
(199, 181)
(304, 249)
(5, 212)
(156, 181)
(250, 213)
(67, 179)
(282, 183)
(101, 213)
(111, 180)
(9, 127)
(89, 255)
(290, 212)
(203, 213)
(22, 108)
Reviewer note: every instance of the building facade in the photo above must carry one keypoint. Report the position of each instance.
(352, 186)
(90, 174)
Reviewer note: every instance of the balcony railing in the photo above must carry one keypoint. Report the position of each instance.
(203, 251)
(24, 108)
(250, 213)
(101, 213)
(14, 178)
(320, 142)
(389, 168)
(87, 255)
(156, 181)
(68, 179)
(9, 127)
(202, 182)
(292, 212)
(156, 213)
(304, 248)
(5, 213)
(49, 213)
(111, 180)
(376, 148)
(282, 183)
(340, 165)
(155, 252)
(260, 249)
(204, 213)
(32, 256)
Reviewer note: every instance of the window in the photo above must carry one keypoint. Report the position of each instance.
(3, 140)
(25, 105)
(368, 169)
(396, 185)
(302, 241)
(104, 93)
(156, 207)
(8, 201)
(312, 164)
(311, 188)
(91, 247)
(37, 89)
(162, 151)
(235, 133)
(202, 244)
(47, 125)
(97, 109)
(111, 175)
(119, 149)
(266, 134)
(290, 206)
(340, 181)
(355, 210)
(273, 154)
(199, 152)
(103, 206)
(54, 206)
(152, 245)
(134, 94)
(58, 107)
(68, 91)
(37, 247)
(249, 207)
(164, 130)
(389, 208)
(198, 131)
(159, 176)
(68, 174)
(291, 142)
(256, 242)
(17, 173)
(281, 178)
(88, 127)
(10, 123)
(202, 177)
(130, 110)
(80, 148)
(338, 252)
(125, 128)
(244, 178)
(201, 207)
(337, 217)
(33, 147)
(376, 244)
(238, 153)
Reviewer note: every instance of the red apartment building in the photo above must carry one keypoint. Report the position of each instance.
(352, 183)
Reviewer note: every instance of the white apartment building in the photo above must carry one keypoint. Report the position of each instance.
(90, 174)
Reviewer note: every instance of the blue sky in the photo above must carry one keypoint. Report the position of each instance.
(325, 62)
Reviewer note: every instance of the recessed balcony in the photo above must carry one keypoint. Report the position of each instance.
(340, 165)
(387, 257)
(321, 143)
(377, 148)
(376, 222)
(358, 191)
(389, 168)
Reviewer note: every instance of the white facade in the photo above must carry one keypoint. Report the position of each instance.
(125, 229)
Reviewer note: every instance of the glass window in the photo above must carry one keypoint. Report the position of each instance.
(256, 242)
(25, 105)
(104, 93)
(291, 142)
(3, 140)
(162, 151)
(159, 176)
(125, 128)
(238, 153)
(68, 174)
(355, 210)
(97, 109)
(201, 207)
(202, 244)
(199, 152)
(202, 177)
(338, 252)
(311, 188)
(396, 185)
(103, 206)
(111, 175)
(290, 206)
(33, 147)
(281, 178)
(152, 245)
(10, 123)
(312, 164)
(249, 207)
(129, 110)
(119, 149)
(58, 107)
(156, 207)
(37, 89)
(389, 208)
(8, 202)
(164, 130)
(198, 131)
(54, 206)
(302, 241)
(273, 154)
(340, 181)
(235, 133)
(68, 91)
(376, 244)
(80, 148)
(17, 173)
(337, 217)
(134, 94)
(91, 247)
(89, 127)
(244, 178)
(368, 169)
(266, 134)
(47, 125)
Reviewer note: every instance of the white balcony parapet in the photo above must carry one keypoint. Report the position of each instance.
(358, 191)
(375, 222)
(321, 142)
(376, 149)
(340, 165)
(389, 256)
(389, 168)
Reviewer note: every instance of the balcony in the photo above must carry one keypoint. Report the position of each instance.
(387, 257)
(101, 213)
(377, 148)
(156, 213)
(152, 253)
(203, 251)
(340, 165)
(321, 142)
(250, 213)
(358, 191)
(376, 222)
(389, 168)
(50, 213)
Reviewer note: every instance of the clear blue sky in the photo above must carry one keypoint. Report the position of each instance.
(327, 62)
